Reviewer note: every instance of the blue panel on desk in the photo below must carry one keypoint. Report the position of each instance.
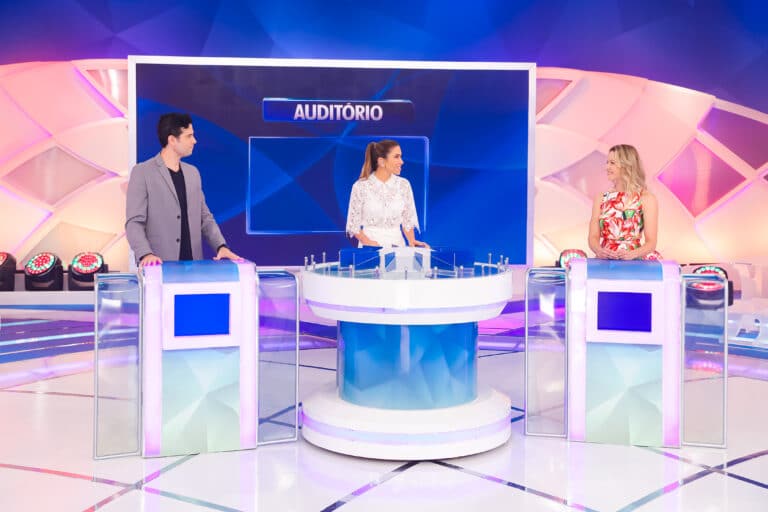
(419, 262)
(407, 366)
(448, 259)
(200, 401)
(362, 258)
(390, 262)
(201, 271)
(201, 314)
(624, 270)
(624, 394)
(624, 311)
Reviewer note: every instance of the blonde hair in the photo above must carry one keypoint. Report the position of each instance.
(632, 172)
(373, 152)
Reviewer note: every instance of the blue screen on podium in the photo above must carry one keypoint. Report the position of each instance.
(201, 314)
(624, 311)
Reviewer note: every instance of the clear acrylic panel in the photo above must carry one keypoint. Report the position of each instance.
(117, 373)
(278, 356)
(705, 370)
(545, 352)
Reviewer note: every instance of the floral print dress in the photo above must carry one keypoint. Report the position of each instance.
(621, 222)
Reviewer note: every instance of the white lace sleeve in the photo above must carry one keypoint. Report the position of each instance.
(355, 211)
(410, 219)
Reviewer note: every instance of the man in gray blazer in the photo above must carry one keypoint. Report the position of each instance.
(165, 214)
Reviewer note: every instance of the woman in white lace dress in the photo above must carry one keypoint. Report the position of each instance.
(382, 201)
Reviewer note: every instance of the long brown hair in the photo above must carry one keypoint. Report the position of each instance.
(373, 152)
(633, 174)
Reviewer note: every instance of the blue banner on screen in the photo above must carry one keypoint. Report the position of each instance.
(204, 314)
(624, 311)
(464, 134)
(394, 112)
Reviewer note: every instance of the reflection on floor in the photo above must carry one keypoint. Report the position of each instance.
(46, 447)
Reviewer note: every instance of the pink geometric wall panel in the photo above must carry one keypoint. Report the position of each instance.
(699, 178)
(677, 236)
(17, 130)
(587, 175)
(18, 218)
(51, 175)
(63, 145)
(572, 237)
(746, 137)
(57, 96)
(685, 245)
(690, 172)
(569, 208)
(557, 148)
(543, 251)
(10, 69)
(116, 252)
(656, 133)
(547, 90)
(66, 240)
(99, 207)
(687, 105)
(102, 144)
(114, 82)
(594, 105)
(737, 230)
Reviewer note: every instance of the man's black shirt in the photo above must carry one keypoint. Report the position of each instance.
(185, 245)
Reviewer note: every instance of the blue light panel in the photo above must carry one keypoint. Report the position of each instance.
(201, 314)
(624, 311)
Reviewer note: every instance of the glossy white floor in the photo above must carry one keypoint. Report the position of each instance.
(45, 464)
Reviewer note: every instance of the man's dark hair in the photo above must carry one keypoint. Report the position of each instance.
(171, 124)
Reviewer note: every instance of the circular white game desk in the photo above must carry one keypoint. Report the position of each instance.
(407, 362)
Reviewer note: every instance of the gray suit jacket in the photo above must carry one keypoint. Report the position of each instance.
(153, 214)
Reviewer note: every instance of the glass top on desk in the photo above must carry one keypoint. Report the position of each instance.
(477, 270)
(401, 263)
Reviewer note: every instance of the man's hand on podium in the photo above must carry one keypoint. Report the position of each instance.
(150, 259)
(225, 253)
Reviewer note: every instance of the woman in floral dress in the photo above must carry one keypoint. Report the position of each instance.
(624, 219)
